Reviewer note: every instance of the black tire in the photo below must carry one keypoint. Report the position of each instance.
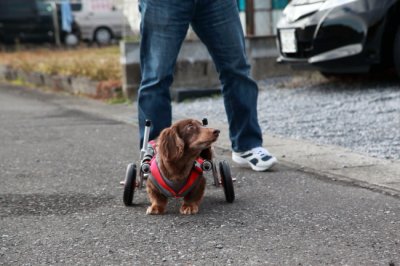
(130, 184)
(71, 40)
(215, 174)
(227, 182)
(396, 52)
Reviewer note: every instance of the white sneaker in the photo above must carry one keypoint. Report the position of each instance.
(259, 159)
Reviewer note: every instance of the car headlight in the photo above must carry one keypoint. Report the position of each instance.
(297, 9)
(329, 4)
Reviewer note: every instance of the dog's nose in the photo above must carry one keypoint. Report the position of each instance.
(216, 132)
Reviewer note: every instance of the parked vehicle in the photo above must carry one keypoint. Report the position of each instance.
(341, 36)
(32, 21)
(99, 21)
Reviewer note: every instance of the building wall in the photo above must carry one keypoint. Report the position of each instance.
(262, 16)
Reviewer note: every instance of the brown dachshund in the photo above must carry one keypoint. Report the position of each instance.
(177, 148)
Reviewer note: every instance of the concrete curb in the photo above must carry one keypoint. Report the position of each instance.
(326, 161)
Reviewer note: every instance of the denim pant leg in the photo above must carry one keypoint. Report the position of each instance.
(163, 28)
(218, 25)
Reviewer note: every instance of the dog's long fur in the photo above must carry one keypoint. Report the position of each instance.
(177, 148)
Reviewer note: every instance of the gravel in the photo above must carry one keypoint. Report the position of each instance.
(359, 113)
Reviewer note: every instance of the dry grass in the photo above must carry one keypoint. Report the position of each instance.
(96, 63)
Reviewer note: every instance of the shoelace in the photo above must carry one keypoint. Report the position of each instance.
(260, 151)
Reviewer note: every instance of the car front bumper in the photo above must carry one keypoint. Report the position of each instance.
(333, 40)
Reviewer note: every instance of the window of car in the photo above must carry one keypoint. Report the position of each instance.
(16, 8)
(44, 8)
(76, 5)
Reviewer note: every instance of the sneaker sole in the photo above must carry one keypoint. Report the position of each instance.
(244, 163)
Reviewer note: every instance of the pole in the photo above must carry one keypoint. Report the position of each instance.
(56, 24)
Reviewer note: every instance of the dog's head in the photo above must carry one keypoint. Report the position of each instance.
(186, 136)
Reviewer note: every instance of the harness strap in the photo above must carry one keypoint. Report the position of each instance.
(153, 144)
(150, 152)
(162, 183)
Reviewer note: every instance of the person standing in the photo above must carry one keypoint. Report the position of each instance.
(164, 25)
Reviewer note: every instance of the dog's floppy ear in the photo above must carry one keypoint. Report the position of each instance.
(206, 154)
(170, 146)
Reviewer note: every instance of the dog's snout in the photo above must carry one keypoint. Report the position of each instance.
(216, 132)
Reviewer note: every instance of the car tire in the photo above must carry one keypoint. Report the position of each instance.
(103, 36)
(396, 51)
(71, 40)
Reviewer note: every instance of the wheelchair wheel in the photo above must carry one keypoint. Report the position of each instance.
(215, 174)
(227, 182)
(130, 184)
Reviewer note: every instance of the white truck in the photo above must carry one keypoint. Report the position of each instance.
(99, 21)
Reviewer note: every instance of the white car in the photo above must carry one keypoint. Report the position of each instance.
(99, 21)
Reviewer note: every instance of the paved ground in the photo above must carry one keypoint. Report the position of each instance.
(61, 159)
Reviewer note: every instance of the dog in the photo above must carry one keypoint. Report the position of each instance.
(176, 150)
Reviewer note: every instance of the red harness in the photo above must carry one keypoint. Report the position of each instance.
(165, 185)
(162, 183)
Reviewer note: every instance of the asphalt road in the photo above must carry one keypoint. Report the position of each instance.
(61, 203)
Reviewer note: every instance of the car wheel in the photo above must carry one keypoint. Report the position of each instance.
(71, 40)
(103, 36)
(396, 51)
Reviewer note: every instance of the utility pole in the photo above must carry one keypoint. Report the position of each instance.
(56, 24)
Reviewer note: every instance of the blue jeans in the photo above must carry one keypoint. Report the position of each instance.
(216, 22)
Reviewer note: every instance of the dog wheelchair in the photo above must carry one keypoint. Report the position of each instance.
(222, 178)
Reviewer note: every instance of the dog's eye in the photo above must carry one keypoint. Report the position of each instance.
(190, 127)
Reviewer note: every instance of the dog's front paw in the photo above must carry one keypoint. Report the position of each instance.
(189, 209)
(155, 210)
